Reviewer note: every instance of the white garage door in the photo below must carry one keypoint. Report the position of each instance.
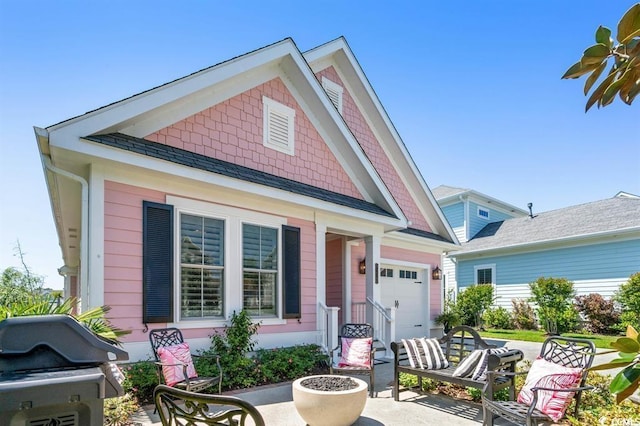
(406, 289)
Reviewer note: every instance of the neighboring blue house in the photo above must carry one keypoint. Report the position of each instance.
(468, 212)
(596, 245)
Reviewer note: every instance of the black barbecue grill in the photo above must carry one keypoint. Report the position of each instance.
(55, 372)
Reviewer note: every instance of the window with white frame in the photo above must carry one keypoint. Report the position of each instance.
(278, 126)
(485, 274)
(483, 213)
(259, 270)
(334, 91)
(201, 266)
(203, 261)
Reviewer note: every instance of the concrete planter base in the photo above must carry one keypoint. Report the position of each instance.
(329, 408)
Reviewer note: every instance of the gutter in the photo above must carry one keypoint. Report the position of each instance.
(42, 136)
(533, 245)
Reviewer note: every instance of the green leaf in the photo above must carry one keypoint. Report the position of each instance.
(595, 54)
(576, 70)
(630, 37)
(629, 23)
(624, 394)
(603, 36)
(624, 379)
(625, 344)
(632, 333)
(623, 360)
(593, 77)
(597, 94)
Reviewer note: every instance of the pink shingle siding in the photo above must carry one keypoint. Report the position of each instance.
(372, 148)
(232, 131)
(123, 254)
(123, 263)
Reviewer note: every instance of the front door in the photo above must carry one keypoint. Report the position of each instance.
(406, 289)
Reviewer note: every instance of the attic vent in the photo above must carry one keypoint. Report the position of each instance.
(334, 91)
(278, 126)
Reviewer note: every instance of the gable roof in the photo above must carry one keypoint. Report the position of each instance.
(451, 194)
(157, 108)
(338, 53)
(617, 216)
(214, 165)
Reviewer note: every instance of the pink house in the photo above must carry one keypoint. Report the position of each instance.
(269, 182)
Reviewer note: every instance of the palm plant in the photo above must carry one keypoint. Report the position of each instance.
(94, 319)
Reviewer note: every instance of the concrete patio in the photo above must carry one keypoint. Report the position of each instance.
(276, 405)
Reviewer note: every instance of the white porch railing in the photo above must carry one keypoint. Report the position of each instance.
(384, 327)
(328, 327)
(383, 322)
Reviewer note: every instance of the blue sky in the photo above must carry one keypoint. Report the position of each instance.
(473, 88)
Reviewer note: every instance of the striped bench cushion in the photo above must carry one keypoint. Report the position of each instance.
(469, 364)
(425, 353)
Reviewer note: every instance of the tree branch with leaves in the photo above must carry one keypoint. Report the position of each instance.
(623, 78)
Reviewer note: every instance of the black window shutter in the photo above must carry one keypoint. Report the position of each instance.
(157, 262)
(291, 291)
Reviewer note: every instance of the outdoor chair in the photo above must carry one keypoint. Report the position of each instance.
(355, 352)
(556, 376)
(174, 362)
(180, 407)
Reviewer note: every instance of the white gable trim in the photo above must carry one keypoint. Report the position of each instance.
(164, 105)
(343, 60)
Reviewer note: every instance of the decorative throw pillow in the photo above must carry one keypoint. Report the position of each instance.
(469, 364)
(173, 359)
(425, 353)
(356, 352)
(549, 375)
(480, 373)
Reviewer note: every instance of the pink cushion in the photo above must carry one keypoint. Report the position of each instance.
(356, 352)
(173, 358)
(549, 375)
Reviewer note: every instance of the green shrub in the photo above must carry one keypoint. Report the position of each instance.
(234, 344)
(118, 410)
(629, 298)
(140, 379)
(554, 298)
(523, 316)
(498, 318)
(284, 364)
(472, 302)
(600, 313)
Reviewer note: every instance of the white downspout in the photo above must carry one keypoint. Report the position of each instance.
(84, 221)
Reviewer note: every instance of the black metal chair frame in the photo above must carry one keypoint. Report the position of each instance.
(164, 337)
(178, 407)
(565, 351)
(355, 331)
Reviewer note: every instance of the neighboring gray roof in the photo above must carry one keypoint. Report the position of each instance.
(444, 191)
(610, 215)
(213, 165)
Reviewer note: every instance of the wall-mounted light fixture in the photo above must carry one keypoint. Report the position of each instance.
(436, 273)
(362, 267)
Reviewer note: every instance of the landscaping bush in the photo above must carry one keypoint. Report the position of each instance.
(449, 317)
(284, 364)
(472, 302)
(498, 318)
(233, 344)
(554, 297)
(601, 314)
(523, 315)
(118, 410)
(629, 298)
(140, 379)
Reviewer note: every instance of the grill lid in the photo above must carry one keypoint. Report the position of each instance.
(52, 342)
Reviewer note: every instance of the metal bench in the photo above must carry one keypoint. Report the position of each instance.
(456, 345)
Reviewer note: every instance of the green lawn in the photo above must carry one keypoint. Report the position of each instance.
(538, 336)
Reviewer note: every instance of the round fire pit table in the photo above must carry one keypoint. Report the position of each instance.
(329, 400)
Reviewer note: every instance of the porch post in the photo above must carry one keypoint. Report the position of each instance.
(332, 327)
(321, 284)
(372, 260)
(390, 331)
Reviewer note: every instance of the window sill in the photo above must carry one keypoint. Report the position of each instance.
(221, 323)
